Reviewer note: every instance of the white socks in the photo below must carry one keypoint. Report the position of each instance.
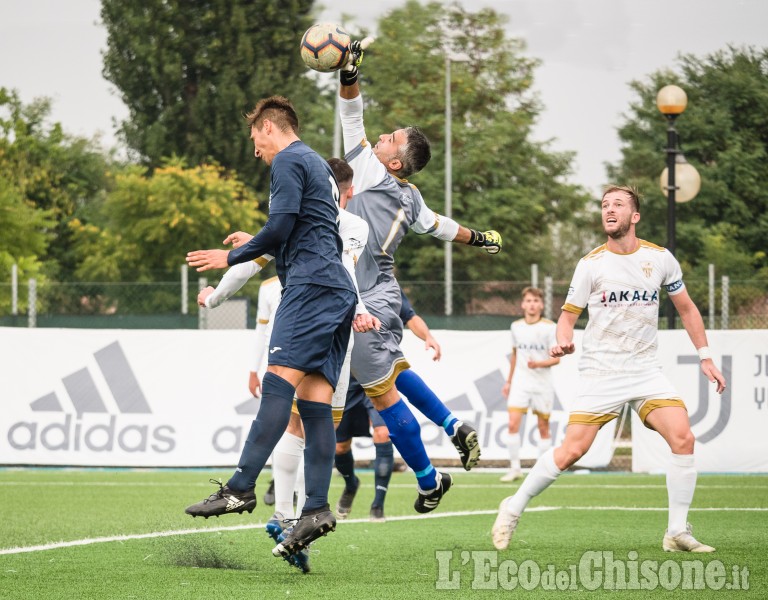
(542, 475)
(513, 446)
(286, 461)
(681, 483)
(544, 445)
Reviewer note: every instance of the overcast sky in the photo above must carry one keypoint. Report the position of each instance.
(591, 50)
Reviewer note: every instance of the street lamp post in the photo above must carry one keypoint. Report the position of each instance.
(448, 188)
(680, 182)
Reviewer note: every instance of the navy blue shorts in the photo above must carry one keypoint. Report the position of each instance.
(359, 415)
(312, 327)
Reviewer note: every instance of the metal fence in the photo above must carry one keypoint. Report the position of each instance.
(724, 304)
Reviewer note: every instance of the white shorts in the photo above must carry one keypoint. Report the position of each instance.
(600, 398)
(539, 401)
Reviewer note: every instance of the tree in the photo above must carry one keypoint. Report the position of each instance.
(501, 178)
(724, 133)
(45, 177)
(189, 70)
(145, 224)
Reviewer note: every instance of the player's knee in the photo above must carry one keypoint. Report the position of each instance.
(682, 441)
(572, 451)
(380, 435)
(343, 447)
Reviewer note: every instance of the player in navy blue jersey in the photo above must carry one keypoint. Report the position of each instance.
(312, 325)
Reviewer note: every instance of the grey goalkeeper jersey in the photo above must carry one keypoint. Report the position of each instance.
(389, 205)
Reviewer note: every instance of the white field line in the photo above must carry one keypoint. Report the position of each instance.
(560, 485)
(160, 534)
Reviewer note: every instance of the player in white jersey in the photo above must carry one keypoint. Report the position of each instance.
(529, 384)
(619, 283)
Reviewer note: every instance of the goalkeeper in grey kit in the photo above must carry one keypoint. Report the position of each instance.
(392, 206)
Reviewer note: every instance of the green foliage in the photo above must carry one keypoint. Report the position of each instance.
(724, 133)
(501, 178)
(189, 71)
(45, 177)
(145, 224)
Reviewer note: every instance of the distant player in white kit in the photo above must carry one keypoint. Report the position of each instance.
(619, 283)
(529, 383)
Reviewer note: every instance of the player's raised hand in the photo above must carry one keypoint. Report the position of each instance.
(237, 239)
(713, 374)
(364, 322)
(562, 349)
(205, 260)
(349, 72)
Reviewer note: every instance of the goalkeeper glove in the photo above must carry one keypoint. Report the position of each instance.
(349, 72)
(490, 240)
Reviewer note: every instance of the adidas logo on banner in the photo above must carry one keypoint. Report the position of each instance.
(94, 434)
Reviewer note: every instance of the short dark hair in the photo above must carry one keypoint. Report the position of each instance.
(277, 109)
(415, 153)
(341, 170)
(630, 190)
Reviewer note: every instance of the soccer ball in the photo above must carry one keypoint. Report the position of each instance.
(325, 47)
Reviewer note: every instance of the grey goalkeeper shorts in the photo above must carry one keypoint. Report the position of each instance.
(377, 359)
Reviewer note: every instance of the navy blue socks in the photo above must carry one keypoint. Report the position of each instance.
(318, 453)
(382, 471)
(345, 463)
(266, 430)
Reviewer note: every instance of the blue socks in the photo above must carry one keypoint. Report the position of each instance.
(318, 453)
(405, 433)
(266, 430)
(422, 397)
(382, 471)
(345, 463)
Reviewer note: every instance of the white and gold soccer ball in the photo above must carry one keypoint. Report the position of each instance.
(325, 47)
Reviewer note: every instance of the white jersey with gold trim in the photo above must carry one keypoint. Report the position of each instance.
(532, 341)
(621, 293)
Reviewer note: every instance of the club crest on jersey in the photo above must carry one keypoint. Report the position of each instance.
(647, 268)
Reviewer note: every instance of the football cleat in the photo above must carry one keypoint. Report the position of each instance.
(377, 514)
(465, 441)
(300, 560)
(274, 526)
(511, 475)
(428, 501)
(308, 528)
(504, 526)
(222, 502)
(684, 542)
(344, 506)
(269, 495)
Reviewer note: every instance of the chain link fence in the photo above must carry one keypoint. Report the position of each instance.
(492, 305)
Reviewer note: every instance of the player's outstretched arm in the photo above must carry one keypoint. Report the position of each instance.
(564, 335)
(694, 325)
(489, 240)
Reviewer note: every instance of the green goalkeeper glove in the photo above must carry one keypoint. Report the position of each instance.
(490, 240)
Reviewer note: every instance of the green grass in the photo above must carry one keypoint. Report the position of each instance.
(361, 560)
